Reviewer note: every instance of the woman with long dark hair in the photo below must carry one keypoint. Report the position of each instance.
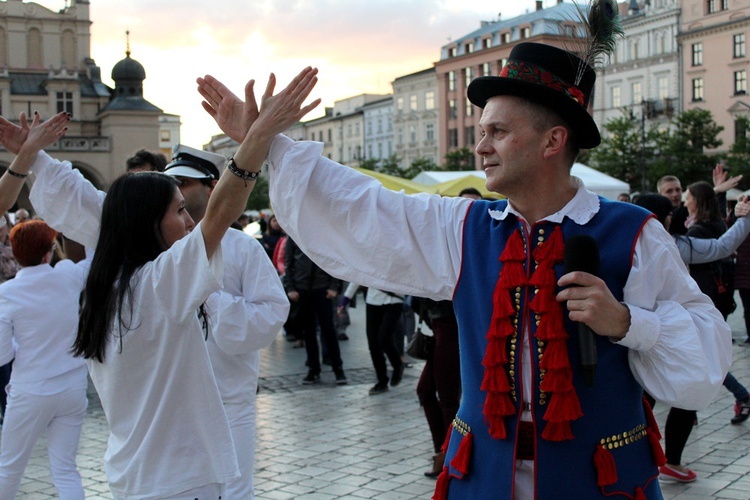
(142, 326)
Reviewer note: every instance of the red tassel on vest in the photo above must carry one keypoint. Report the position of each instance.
(446, 442)
(606, 469)
(441, 488)
(462, 459)
(656, 451)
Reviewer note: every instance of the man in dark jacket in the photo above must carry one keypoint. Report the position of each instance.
(313, 289)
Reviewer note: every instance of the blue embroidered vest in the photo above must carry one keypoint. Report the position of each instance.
(613, 413)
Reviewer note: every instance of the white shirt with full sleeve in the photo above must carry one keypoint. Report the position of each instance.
(244, 316)
(679, 346)
(168, 429)
(43, 362)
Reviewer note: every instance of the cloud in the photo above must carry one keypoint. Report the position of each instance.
(360, 46)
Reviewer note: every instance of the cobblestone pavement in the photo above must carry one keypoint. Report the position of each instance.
(327, 442)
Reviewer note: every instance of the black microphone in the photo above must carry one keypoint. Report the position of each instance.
(582, 254)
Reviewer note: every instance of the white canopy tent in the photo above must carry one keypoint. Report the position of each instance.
(598, 182)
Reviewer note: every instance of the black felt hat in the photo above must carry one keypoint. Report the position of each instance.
(548, 76)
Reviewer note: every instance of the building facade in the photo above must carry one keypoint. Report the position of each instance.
(642, 78)
(715, 61)
(483, 53)
(415, 117)
(46, 64)
(378, 126)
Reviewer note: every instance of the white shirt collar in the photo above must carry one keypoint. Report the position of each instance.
(580, 209)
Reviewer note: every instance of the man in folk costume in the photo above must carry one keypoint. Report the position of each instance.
(531, 422)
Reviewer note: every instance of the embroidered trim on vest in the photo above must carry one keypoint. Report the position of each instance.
(503, 325)
(462, 427)
(555, 371)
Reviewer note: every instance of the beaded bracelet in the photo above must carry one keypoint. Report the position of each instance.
(242, 174)
(16, 174)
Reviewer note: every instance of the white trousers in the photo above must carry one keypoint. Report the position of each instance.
(242, 424)
(27, 417)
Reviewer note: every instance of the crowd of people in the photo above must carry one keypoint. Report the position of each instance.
(529, 345)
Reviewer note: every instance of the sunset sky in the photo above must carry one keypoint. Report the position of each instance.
(360, 46)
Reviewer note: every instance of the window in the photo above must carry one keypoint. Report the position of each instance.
(636, 95)
(616, 103)
(525, 32)
(165, 136)
(697, 53)
(468, 76)
(663, 87)
(469, 48)
(697, 89)
(429, 100)
(505, 38)
(65, 102)
(356, 129)
(400, 136)
(452, 52)
(487, 43)
(469, 136)
(469, 108)
(739, 45)
(429, 132)
(34, 48)
(349, 131)
(740, 82)
(451, 80)
(634, 49)
(486, 69)
(453, 138)
(716, 5)
(413, 102)
(400, 104)
(452, 108)
(412, 133)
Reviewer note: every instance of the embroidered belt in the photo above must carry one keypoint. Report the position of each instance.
(619, 440)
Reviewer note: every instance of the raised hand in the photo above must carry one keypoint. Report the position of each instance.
(233, 116)
(721, 183)
(42, 135)
(279, 112)
(13, 136)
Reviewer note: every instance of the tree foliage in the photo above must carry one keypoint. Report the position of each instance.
(640, 153)
(459, 159)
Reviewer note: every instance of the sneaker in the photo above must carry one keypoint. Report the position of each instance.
(665, 471)
(378, 388)
(397, 374)
(741, 411)
(343, 336)
(340, 377)
(312, 378)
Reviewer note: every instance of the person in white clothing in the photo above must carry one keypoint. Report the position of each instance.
(246, 314)
(143, 326)
(531, 424)
(383, 312)
(47, 391)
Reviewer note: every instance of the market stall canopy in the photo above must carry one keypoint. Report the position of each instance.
(455, 186)
(598, 182)
(396, 183)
